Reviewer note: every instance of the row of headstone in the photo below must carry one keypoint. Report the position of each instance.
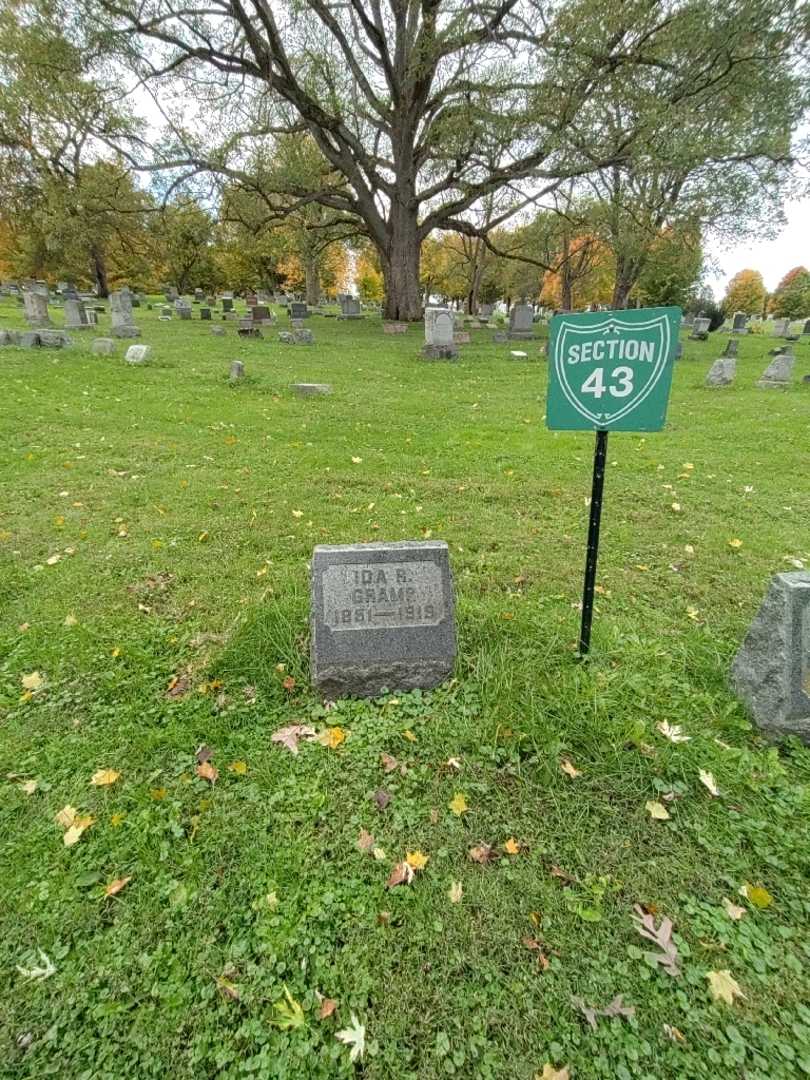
(776, 376)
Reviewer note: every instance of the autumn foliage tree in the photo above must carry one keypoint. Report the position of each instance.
(746, 292)
(791, 297)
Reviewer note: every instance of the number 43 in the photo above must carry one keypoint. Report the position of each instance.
(595, 383)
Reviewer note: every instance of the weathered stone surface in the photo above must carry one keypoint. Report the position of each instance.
(9, 337)
(53, 339)
(218, 331)
(349, 307)
(303, 337)
(29, 339)
(700, 329)
(103, 346)
(722, 372)
(205, 314)
(76, 317)
(771, 672)
(383, 617)
(521, 322)
(462, 337)
(249, 331)
(499, 337)
(298, 310)
(731, 347)
(138, 354)
(395, 328)
(237, 371)
(35, 302)
(778, 373)
(121, 315)
(311, 389)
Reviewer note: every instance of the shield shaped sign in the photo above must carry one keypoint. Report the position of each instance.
(611, 370)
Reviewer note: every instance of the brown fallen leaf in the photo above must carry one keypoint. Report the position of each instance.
(204, 753)
(674, 1034)
(115, 887)
(537, 946)
(365, 841)
(178, 687)
(289, 736)
(389, 763)
(207, 771)
(563, 875)
(660, 936)
(567, 767)
(402, 874)
(66, 816)
(228, 989)
(328, 1006)
(289, 684)
(482, 854)
(382, 798)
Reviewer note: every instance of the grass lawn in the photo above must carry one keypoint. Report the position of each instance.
(156, 526)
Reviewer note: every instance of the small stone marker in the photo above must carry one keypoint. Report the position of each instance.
(103, 346)
(249, 330)
(311, 389)
(462, 337)
(303, 337)
(205, 314)
(138, 354)
(349, 307)
(29, 339)
(778, 373)
(518, 354)
(53, 339)
(806, 329)
(395, 328)
(298, 310)
(499, 337)
(218, 331)
(738, 325)
(771, 672)
(237, 371)
(227, 303)
(722, 371)
(76, 317)
(731, 347)
(382, 617)
(9, 337)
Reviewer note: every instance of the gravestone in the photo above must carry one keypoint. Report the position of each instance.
(103, 346)
(700, 329)
(297, 324)
(35, 302)
(205, 314)
(771, 672)
(395, 328)
(76, 317)
(165, 314)
(311, 389)
(138, 354)
(462, 337)
(731, 347)
(350, 307)
(199, 296)
(521, 324)
(261, 315)
(689, 319)
(9, 337)
(237, 371)
(247, 329)
(298, 310)
(303, 337)
(781, 328)
(171, 294)
(499, 337)
(738, 325)
(778, 373)
(485, 312)
(382, 617)
(53, 339)
(183, 308)
(29, 339)
(722, 371)
(227, 303)
(218, 331)
(806, 329)
(439, 343)
(121, 315)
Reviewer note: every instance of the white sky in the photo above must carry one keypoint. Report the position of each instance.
(773, 258)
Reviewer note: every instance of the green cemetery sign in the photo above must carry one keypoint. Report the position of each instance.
(611, 370)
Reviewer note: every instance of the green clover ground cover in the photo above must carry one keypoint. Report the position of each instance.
(154, 537)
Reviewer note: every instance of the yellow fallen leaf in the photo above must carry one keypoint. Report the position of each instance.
(759, 896)
(70, 620)
(356, 460)
(115, 887)
(158, 794)
(458, 804)
(238, 767)
(417, 860)
(657, 810)
(203, 536)
(104, 777)
(550, 1073)
(735, 543)
(708, 782)
(409, 735)
(455, 892)
(298, 513)
(569, 770)
(332, 737)
(66, 816)
(116, 820)
(116, 651)
(734, 911)
(33, 681)
(74, 833)
(29, 786)
(723, 986)
(676, 507)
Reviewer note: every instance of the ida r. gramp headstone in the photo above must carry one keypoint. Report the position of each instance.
(383, 617)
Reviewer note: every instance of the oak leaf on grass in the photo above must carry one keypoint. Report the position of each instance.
(104, 777)
(288, 736)
(206, 771)
(724, 986)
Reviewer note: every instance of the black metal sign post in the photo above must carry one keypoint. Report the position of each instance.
(597, 486)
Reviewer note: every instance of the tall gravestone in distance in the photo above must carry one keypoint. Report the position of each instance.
(738, 326)
(700, 329)
(227, 303)
(439, 335)
(349, 307)
(298, 310)
(383, 617)
(76, 315)
(121, 315)
(731, 347)
(806, 329)
(722, 371)
(35, 302)
(781, 328)
(771, 672)
(521, 326)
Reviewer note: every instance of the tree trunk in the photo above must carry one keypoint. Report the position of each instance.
(99, 272)
(400, 266)
(312, 278)
(621, 291)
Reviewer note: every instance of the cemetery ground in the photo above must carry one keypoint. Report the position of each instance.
(224, 910)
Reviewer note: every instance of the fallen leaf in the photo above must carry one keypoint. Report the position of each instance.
(29, 786)
(365, 841)
(289, 684)
(33, 681)
(417, 860)
(178, 686)
(563, 875)
(332, 737)
(104, 777)
(401, 874)
(458, 804)
(328, 1006)
(734, 911)
(378, 854)
(735, 543)
(482, 854)
(759, 896)
(116, 820)
(409, 735)
(660, 936)
(289, 736)
(569, 769)
(66, 816)
(74, 833)
(115, 887)
(238, 767)
(356, 460)
(204, 753)
(550, 1073)
(207, 771)
(290, 1013)
(672, 732)
(389, 763)
(381, 798)
(70, 620)
(228, 989)
(353, 1036)
(656, 810)
(723, 986)
(455, 892)
(673, 1033)
(44, 972)
(617, 1008)
(512, 846)
(454, 763)
(709, 782)
(158, 794)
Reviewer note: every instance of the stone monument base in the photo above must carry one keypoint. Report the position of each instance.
(439, 352)
(521, 335)
(125, 331)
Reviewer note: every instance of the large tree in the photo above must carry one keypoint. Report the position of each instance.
(746, 292)
(425, 107)
(791, 297)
